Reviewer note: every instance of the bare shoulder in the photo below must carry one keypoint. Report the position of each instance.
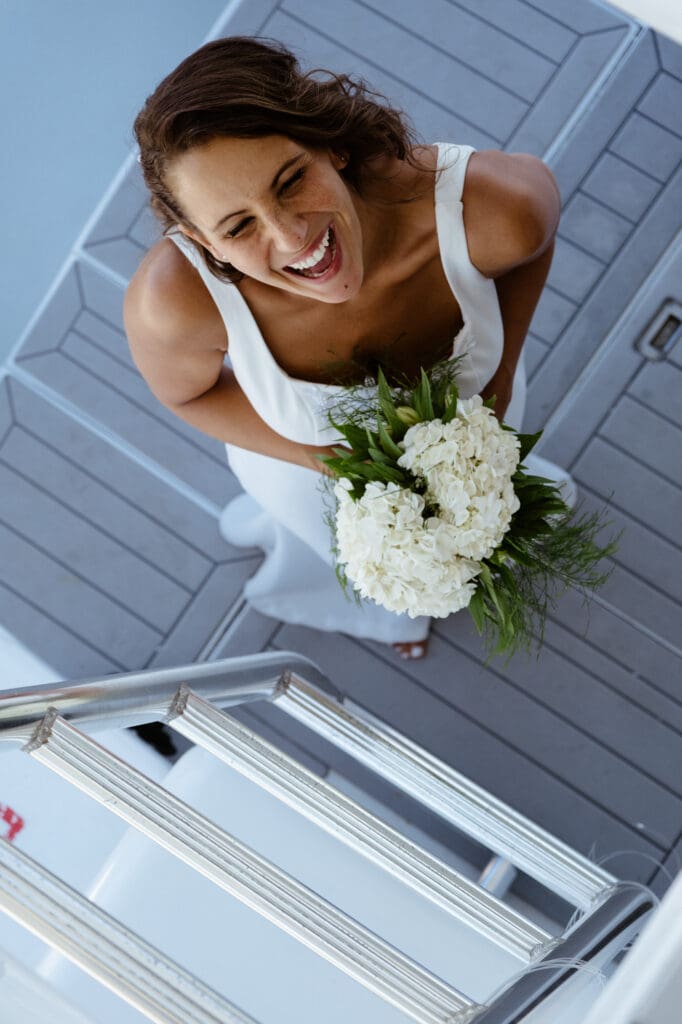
(511, 205)
(176, 335)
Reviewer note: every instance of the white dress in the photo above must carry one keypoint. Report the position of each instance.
(282, 510)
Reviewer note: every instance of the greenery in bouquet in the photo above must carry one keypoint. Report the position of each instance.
(435, 512)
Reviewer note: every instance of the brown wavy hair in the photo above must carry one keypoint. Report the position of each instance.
(248, 88)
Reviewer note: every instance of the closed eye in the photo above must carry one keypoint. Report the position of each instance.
(240, 227)
(293, 180)
(288, 184)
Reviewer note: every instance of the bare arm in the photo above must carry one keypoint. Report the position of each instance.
(178, 342)
(511, 216)
(224, 412)
(518, 293)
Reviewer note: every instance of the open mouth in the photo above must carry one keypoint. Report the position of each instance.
(319, 261)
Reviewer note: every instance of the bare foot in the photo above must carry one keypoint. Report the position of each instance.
(412, 651)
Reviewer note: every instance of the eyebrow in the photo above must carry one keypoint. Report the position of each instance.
(285, 166)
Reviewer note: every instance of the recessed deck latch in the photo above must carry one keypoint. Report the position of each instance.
(662, 333)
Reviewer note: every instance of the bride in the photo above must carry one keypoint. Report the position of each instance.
(308, 240)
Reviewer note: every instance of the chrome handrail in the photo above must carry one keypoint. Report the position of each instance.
(301, 690)
(252, 756)
(43, 718)
(136, 698)
(132, 968)
(603, 932)
(451, 795)
(245, 874)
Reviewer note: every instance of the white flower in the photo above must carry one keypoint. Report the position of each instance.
(428, 566)
(399, 559)
(467, 466)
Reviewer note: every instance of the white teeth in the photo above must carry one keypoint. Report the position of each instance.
(314, 257)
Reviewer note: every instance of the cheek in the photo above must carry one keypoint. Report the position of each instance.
(241, 256)
(323, 192)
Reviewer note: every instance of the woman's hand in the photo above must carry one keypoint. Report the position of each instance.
(500, 385)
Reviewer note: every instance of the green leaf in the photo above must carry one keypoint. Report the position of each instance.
(354, 434)
(337, 465)
(387, 405)
(421, 398)
(450, 410)
(528, 442)
(408, 416)
(516, 552)
(387, 442)
(528, 479)
(426, 394)
(378, 456)
(477, 609)
(377, 472)
(449, 413)
(508, 579)
(489, 584)
(542, 527)
(371, 439)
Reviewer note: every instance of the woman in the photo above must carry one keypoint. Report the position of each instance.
(311, 240)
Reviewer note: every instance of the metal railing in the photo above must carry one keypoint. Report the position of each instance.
(91, 938)
(52, 722)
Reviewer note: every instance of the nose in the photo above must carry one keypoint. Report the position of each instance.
(288, 232)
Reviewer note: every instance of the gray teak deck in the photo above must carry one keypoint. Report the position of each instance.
(108, 504)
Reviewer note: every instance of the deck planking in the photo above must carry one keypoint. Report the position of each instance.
(109, 504)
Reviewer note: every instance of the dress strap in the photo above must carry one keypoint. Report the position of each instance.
(452, 166)
(226, 297)
(295, 409)
(481, 338)
(185, 247)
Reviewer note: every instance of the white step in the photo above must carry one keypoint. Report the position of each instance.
(260, 968)
(27, 999)
(53, 822)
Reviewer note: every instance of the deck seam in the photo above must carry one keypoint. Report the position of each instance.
(62, 625)
(636, 625)
(504, 32)
(501, 739)
(650, 409)
(601, 681)
(142, 408)
(73, 412)
(553, 17)
(557, 70)
(95, 525)
(389, 74)
(439, 49)
(645, 773)
(635, 167)
(52, 557)
(640, 462)
(598, 201)
(125, 498)
(100, 348)
(623, 665)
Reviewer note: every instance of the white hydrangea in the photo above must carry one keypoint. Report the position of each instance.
(467, 466)
(428, 566)
(396, 557)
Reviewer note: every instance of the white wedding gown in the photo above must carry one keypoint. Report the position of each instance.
(283, 507)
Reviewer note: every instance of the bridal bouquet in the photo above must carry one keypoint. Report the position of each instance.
(435, 512)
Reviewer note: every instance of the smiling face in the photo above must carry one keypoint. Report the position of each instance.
(277, 211)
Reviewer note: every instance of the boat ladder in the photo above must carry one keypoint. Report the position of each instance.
(53, 725)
